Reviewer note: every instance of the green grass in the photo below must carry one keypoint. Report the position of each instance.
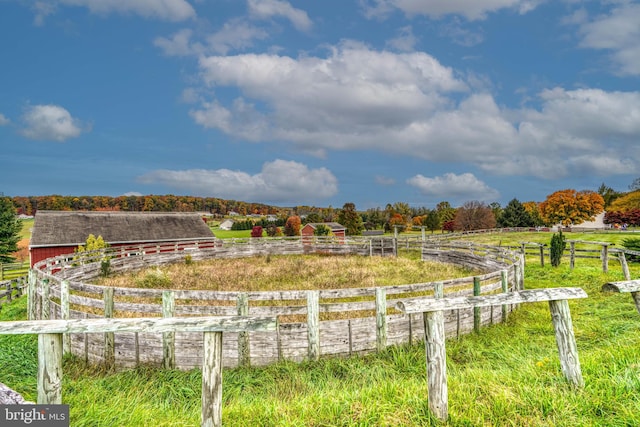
(507, 375)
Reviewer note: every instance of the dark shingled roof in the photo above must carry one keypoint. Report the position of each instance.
(64, 228)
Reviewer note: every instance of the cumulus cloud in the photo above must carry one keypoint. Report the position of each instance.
(50, 123)
(265, 9)
(279, 181)
(617, 32)
(356, 98)
(470, 9)
(454, 186)
(166, 10)
(3, 120)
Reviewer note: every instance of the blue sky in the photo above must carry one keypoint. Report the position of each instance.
(319, 102)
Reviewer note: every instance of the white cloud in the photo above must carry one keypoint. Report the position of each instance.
(51, 123)
(619, 33)
(179, 44)
(235, 34)
(454, 186)
(265, 9)
(166, 10)
(42, 10)
(279, 181)
(470, 9)
(409, 104)
(405, 42)
(3, 120)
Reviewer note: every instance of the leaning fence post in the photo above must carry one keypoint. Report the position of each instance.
(109, 337)
(49, 369)
(168, 338)
(31, 293)
(625, 266)
(565, 338)
(381, 318)
(212, 380)
(244, 349)
(313, 322)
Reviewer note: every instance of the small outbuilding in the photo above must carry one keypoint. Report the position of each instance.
(337, 229)
(57, 233)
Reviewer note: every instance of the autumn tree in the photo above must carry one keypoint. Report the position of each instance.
(515, 215)
(10, 227)
(571, 207)
(474, 215)
(445, 211)
(256, 231)
(292, 226)
(626, 202)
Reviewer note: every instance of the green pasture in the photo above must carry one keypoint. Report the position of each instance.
(505, 375)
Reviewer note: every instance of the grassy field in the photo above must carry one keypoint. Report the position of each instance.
(506, 375)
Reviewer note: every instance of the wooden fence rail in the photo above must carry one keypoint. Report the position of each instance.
(11, 289)
(332, 322)
(13, 270)
(630, 286)
(50, 348)
(433, 316)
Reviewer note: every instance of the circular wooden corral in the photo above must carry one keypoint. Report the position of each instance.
(368, 320)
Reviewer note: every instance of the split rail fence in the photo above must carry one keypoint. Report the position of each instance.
(50, 349)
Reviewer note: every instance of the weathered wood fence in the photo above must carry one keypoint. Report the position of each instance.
(630, 286)
(312, 323)
(14, 270)
(433, 310)
(50, 348)
(10, 289)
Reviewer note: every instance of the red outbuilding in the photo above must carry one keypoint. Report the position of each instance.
(57, 233)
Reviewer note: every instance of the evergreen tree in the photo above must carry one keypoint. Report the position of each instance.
(515, 215)
(351, 219)
(432, 221)
(558, 244)
(10, 227)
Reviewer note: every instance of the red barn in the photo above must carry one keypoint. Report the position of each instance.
(61, 232)
(337, 230)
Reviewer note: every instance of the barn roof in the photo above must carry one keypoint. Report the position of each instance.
(334, 226)
(71, 228)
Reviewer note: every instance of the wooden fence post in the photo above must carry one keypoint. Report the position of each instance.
(625, 266)
(313, 323)
(212, 380)
(604, 253)
(565, 338)
(504, 279)
(168, 338)
(64, 307)
(381, 318)
(109, 337)
(438, 394)
(50, 369)
(45, 304)
(31, 293)
(477, 314)
(572, 255)
(244, 347)
(541, 255)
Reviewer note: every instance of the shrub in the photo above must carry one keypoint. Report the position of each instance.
(188, 260)
(558, 244)
(633, 244)
(105, 267)
(256, 231)
(154, 279)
